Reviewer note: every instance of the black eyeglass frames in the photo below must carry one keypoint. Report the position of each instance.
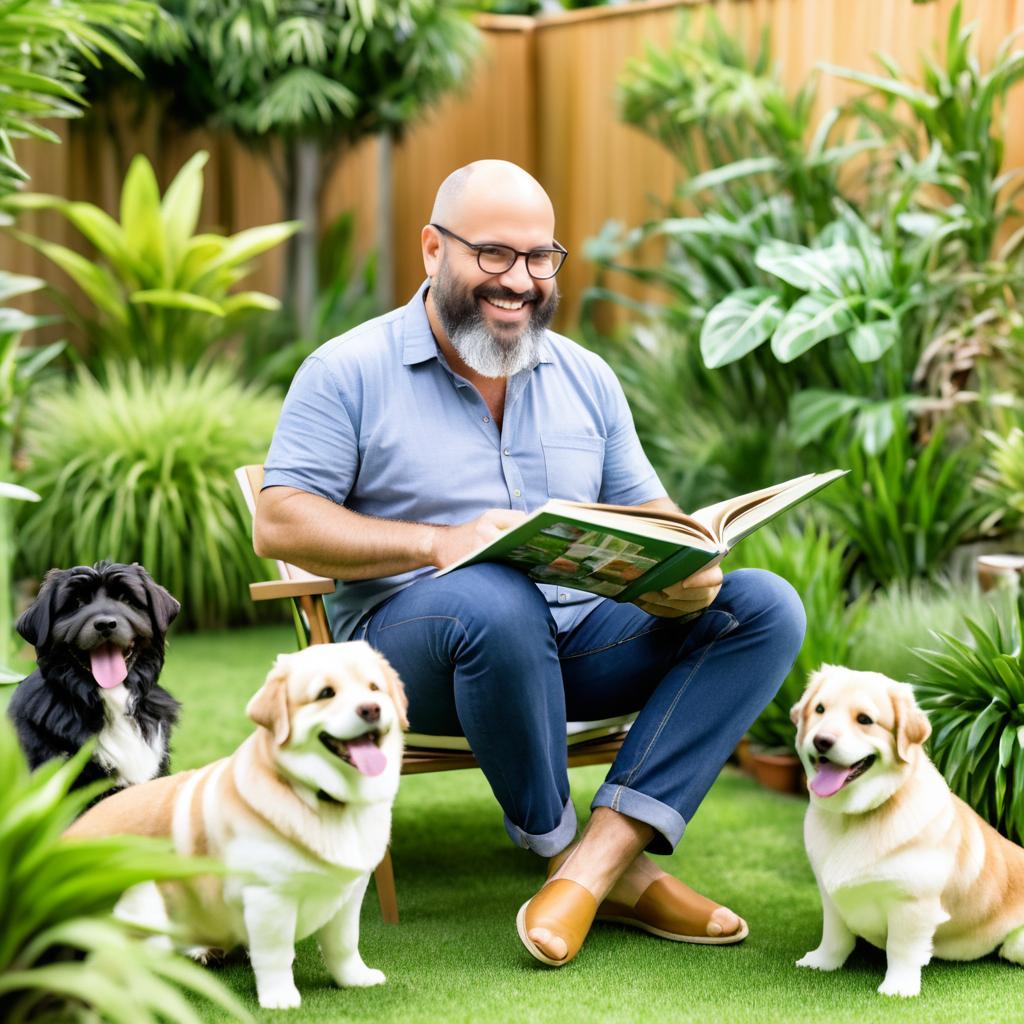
(493, 258)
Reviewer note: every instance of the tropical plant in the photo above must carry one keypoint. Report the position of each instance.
(954, 139)
(710, 434)
(160, 293)
(816, 561)
(905, 509)
(62, 956)
(904, 617)
(140, 468)
(302, 81)
(1002, 476)
(42, 46)
(973, 693)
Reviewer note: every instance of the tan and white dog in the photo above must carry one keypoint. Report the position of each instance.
(900, 860)
(300, 814)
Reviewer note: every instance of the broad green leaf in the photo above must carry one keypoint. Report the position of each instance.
(807, 269)
(869, 342)
(813, 411)
(16, 492)
(18, 284)
(142, 223)
(250, 300)
(738, 324)
(252, 242)
(169, 298)
(181, 205)
(811, 319)
(106, 234)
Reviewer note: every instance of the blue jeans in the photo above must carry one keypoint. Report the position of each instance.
(480, 656)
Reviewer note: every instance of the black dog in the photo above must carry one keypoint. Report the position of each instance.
(99, 639)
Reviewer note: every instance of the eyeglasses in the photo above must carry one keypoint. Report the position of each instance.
(497, 259)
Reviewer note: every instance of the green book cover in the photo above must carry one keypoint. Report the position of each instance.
(558, 549)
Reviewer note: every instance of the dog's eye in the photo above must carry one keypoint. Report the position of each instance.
(326, 693)
(865, 720)
(374, 686)
(820, 709)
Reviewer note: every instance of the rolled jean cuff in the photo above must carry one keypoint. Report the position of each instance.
(550, 843)
(668, 824)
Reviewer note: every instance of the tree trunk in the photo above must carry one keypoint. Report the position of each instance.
(303, 185)
(385, 285)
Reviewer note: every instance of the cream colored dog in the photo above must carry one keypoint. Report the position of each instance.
(300, 813)
(900, 860)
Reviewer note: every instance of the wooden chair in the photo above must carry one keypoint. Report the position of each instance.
(589, 742)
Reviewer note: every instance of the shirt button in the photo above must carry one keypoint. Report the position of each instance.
(487, 419)
(517, 492)
(563, 597)
(505, 451)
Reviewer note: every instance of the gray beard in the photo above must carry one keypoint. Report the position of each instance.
(486, 355)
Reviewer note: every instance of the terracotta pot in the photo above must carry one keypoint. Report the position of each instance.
(781, 772)
(744, 756)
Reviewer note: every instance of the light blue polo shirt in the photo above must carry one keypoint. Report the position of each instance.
(375, 420)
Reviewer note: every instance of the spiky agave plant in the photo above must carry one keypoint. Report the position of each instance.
(973, 693)
(62, 955)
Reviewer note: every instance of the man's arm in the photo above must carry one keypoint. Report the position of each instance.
(693, 594)
(331, 540)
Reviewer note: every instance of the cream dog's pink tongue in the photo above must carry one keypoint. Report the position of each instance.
(829, 779)
(366, 755)
(108, 666)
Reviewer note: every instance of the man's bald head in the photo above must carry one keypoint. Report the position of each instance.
(490, 190)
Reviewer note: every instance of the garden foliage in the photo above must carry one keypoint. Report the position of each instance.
(62, 956)
(141, 468)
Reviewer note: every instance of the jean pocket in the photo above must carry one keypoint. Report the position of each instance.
(574, 464)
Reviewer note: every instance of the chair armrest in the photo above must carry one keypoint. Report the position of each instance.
(290, 588)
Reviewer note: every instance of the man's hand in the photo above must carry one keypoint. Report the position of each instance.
(686, 597)
(454, 542)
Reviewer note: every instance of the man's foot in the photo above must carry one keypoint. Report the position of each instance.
(553, 925)
(646, 897)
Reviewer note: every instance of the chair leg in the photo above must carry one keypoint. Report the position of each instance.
(384, 877)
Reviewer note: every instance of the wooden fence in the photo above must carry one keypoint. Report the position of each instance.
(543, 95)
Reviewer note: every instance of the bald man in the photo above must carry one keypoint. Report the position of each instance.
(407, 443)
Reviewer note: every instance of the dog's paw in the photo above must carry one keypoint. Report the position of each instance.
(361, 976)
(279, 997)
(904, 985)
(819, 960)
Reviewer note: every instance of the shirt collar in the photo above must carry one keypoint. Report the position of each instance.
(419, 343)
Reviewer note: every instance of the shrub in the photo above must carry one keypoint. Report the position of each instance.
(905, 510)
(816, 562)
(141, 469)
(974, 697)
(159, 293)
(904, 617)
(61, 956)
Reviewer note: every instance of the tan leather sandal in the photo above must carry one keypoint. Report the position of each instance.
(566, 909)
(671, 910)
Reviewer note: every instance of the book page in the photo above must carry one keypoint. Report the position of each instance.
(745, 520)
(675, 522)
(715, 517)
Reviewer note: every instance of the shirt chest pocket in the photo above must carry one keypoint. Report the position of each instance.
(574, 465)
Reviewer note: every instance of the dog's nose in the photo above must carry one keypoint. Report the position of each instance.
(369, 712)
(823, 743)
(104, 625)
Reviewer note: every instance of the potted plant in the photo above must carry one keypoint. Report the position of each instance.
(973, 694)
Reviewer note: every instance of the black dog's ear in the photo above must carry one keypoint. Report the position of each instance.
(163, 609)
(34, 623)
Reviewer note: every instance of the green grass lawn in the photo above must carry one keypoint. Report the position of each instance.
(455, 956)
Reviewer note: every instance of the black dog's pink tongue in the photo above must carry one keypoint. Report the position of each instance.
(829, 779)
(108, 666)
(366, 755)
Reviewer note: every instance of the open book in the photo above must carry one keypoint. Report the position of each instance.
(622, 552)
